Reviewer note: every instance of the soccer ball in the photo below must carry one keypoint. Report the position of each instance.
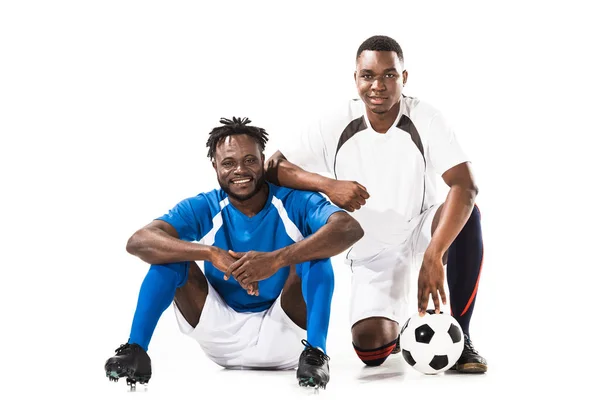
(432, 343)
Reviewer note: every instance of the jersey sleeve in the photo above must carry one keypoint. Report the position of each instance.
(307, 149)
(444, 150)
(191, 218)
(315, 213)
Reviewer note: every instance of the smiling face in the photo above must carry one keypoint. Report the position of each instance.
(239, 164)
(379, 78)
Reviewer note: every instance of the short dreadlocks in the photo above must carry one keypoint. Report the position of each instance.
(235, 126)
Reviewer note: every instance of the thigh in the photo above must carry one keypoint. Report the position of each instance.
(423, 230)
(191, 297)
(384, 286)
(292, 300)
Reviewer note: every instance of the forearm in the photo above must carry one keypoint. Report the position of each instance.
(341, 232)
(155, 246)
(281, 172)
(455, 213)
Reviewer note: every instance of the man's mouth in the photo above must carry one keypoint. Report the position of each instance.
(240, 181)
(377, 99)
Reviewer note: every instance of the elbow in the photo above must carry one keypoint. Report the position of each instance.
(358, 231)
(473, 191)
(354, 231)
(271, 170)
(134, 244)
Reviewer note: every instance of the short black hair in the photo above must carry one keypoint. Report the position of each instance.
(380, 43)
(235, 126)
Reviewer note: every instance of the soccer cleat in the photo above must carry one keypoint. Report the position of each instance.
(470, 361)
(130, 361)
(313, 367)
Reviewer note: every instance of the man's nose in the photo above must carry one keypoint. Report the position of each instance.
(378, 85)
(240, 168)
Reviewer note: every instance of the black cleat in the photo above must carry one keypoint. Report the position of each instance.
(470, 361)
(313, 367)
(131, 362)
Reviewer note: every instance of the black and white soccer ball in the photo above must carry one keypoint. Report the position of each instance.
(432, 343)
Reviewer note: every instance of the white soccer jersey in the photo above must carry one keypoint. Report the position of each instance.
(398, 168)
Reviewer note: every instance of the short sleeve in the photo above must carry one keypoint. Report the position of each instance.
(307, 149)
(316, 212)
(191, 218)
(444, 151)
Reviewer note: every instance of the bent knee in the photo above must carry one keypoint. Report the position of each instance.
(374, 339)
(377, 356)
(321, 268)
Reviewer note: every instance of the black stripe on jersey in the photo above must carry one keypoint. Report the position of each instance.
(352, 129)
(407, 126)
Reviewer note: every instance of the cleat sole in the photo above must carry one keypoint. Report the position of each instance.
(116, 371)
(472, 368)
(312, 383)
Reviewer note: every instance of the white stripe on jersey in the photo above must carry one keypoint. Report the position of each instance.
(217, 222)
(290, 228)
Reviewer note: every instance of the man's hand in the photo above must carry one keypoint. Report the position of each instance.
(348, 195)
(222, 260)
(252, 266)
(431, 281)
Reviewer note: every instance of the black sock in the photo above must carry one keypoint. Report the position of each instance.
(465, 258)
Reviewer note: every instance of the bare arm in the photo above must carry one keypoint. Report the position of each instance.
(457, 208)
(453, 216)
(159, 243)
(349, 195)
(340, 232)
(281, 172)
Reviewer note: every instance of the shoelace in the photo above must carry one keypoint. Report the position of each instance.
(469, 345)
(122, 348)
(313, 356)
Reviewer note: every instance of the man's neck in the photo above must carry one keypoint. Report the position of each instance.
(254, 204)
(381, 123)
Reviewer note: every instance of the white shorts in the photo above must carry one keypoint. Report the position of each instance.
(385, 284)
(260, 340)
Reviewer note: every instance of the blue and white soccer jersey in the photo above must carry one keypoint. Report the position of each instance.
(236, 329)
(399, 170)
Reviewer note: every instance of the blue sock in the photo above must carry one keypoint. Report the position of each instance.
(156, 294)
(317, 290)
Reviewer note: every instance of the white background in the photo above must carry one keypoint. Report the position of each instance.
(105, 108)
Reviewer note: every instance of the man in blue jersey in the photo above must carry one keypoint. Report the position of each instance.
(249, 308)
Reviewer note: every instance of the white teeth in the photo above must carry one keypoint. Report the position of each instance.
(242, 181)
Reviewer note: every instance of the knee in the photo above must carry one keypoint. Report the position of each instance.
(473, 224)
(374, 340)
(317, 268)
(475, 215)
(374, 357)
(177, 272)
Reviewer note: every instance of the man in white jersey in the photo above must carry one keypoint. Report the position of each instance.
(383, 153)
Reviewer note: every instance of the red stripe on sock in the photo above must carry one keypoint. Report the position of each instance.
(371, 355)
(476, 286)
